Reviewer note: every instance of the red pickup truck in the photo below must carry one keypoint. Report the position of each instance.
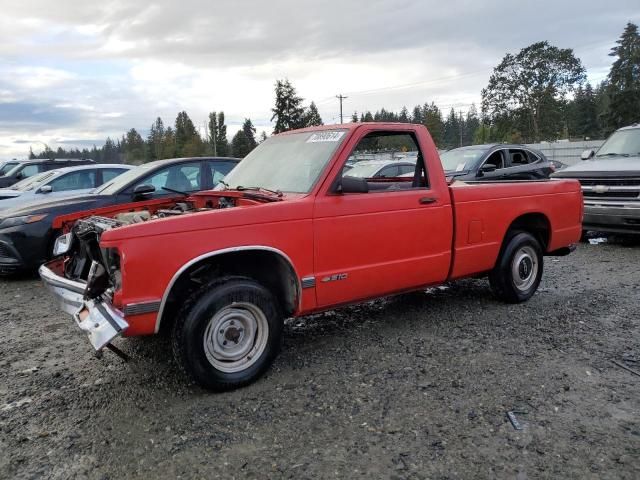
(290, 233)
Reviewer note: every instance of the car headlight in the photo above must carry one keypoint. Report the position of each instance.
(26, 219)
(63, 244)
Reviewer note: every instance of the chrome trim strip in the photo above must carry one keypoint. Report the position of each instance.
(308, 282)
(215, 253)
(141, 308)
(54, 280)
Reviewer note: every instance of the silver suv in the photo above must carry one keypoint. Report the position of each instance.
(610, 180)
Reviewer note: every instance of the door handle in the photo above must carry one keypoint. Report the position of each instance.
(427, 200)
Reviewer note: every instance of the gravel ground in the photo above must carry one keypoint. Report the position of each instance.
(416, 386)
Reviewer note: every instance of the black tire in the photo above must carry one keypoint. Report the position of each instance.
(221, 312)
(513, 279)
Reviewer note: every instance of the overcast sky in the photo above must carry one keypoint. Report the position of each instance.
(74, 72)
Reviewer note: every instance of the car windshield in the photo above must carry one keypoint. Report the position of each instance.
(288, 163)
(32, 182)
(459, 160)
(125, 179)
(364, 170)
(622, 142)
(6, 167)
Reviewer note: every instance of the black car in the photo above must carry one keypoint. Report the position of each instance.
(496, 162)
(22, 170)
(26, 233)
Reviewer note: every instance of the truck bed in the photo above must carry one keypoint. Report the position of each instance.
(484, 211)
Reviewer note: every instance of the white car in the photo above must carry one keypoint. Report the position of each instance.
(63, 182)
(381, 168)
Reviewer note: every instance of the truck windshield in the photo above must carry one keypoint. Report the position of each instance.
(622, 142)
(459, 160)
(288, 163)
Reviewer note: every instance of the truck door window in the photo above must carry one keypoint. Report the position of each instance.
(387, 160)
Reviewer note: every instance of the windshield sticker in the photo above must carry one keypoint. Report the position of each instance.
(325, 137)
(460, 167)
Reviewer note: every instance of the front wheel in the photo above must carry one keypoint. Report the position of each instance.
(228, 333)
(518, 272)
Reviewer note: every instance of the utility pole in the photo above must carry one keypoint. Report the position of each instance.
(341, 98)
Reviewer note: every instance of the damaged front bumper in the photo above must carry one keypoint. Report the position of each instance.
(96, 317)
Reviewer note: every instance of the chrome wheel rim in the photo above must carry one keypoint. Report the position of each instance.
(524, 268)
(236, 337)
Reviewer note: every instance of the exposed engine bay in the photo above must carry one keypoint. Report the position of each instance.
(100, 267)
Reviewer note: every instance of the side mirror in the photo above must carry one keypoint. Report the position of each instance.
(353, 185)
(45, 189)
(486, 168)
(587, 154)
(142, 190)
(19, 176)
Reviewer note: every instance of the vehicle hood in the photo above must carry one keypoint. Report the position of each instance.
(9, 193)
(609, 166)
(40, 206)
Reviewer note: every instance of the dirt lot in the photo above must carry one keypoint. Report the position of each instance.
(417, 386)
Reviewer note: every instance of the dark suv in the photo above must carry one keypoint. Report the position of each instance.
(27, 169)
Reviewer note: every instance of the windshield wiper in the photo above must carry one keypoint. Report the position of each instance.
(224, 183)
(175, 191)
(277, 193)
(613, 155)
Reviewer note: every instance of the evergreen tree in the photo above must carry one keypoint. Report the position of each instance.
(185, 133)
(154, 140)
(244, 141)
(452, 131)
(354, 117)
(134, 147)
(212, 130)
(404, 115)
(471, 125)
(288, 111)
(624, 80)
(418, 115)
(312, 116)
(263, 136)
(433, 122)
(110, 151)
(169, 144)
(582, 114)
(222, 144)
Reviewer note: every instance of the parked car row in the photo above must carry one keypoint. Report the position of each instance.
(59, 183)
(26, 227)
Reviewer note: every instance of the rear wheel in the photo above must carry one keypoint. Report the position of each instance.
(518, 272)
(228, 333)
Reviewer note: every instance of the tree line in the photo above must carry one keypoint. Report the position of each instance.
(540, 93)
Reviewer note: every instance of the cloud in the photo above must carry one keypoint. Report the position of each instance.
(105, 67)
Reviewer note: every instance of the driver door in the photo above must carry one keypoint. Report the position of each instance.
(395, 237)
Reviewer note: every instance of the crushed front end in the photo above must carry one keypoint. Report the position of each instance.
(84, 278)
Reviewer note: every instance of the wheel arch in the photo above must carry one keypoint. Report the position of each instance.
(267, 265)
(535, 223)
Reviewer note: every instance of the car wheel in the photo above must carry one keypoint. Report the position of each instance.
(518, 272)
(228, 333)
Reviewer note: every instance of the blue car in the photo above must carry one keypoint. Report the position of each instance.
(59, 183)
